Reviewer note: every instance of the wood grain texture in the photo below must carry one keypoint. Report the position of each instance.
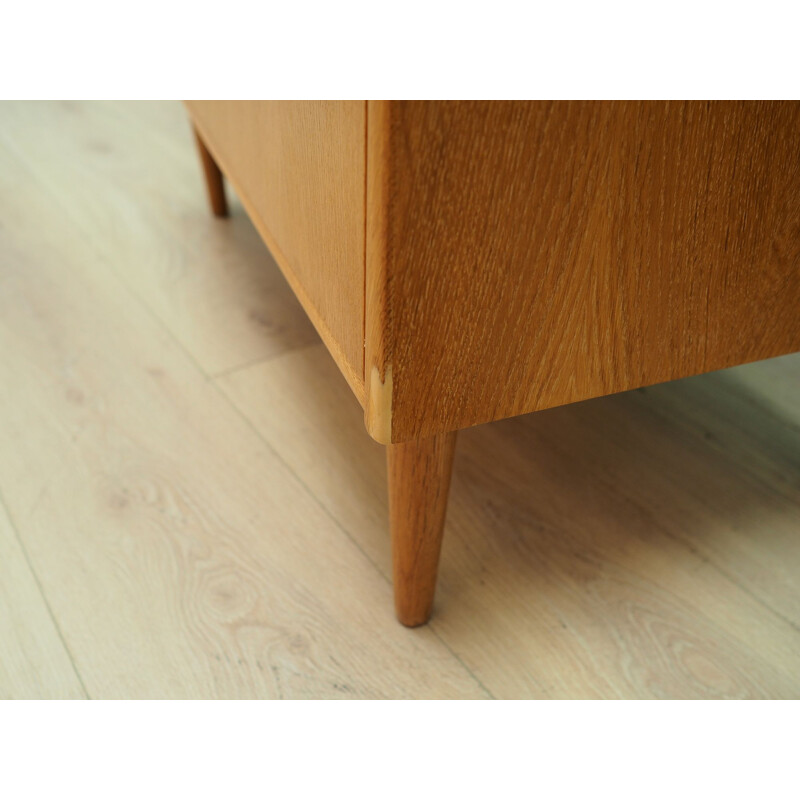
(299, 169)
(530, 254)
(419, 483)
(215, 183)
(34, 664)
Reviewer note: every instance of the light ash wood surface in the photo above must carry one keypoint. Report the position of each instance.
(523, 255)
(189, 479)
(33, 660)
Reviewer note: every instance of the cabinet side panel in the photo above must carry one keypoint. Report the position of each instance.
(299, 169)
(543, 253)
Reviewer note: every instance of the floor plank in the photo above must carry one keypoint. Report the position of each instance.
(34, 664)
(129, 176)
(181, 557)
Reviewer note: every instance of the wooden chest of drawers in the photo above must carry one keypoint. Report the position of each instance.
(469, 261)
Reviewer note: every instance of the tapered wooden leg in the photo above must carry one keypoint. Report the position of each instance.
(419, 481)
(215, 183)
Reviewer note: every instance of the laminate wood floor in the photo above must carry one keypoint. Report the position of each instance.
(191, 506)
